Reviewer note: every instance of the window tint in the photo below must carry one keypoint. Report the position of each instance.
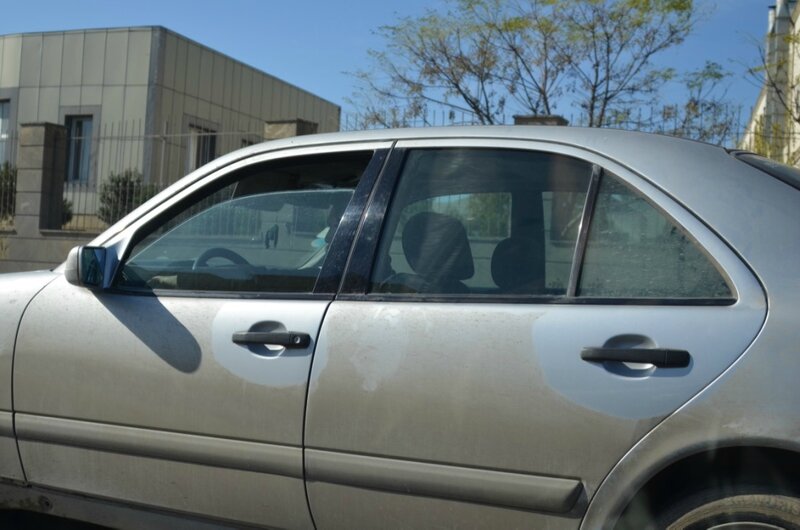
(267, 231)
(635, 251)
(482, 221)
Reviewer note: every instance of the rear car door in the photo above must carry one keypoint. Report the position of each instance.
(183, 385)
(514, 319)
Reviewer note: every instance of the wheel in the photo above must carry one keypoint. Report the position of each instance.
(218, 252)
(715, 510)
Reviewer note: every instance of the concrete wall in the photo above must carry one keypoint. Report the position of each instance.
(144, 87)
(102, 73)
(198, 86)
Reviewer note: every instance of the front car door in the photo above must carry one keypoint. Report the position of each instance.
(182, 385)
(521, 315)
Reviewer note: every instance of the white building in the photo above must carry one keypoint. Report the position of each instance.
(774, 126)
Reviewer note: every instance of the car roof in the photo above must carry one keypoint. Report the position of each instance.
(611, 139)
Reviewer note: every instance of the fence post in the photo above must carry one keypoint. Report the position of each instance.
(41, 166)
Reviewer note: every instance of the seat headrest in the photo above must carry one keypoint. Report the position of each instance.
(436, 247)
(518, 266)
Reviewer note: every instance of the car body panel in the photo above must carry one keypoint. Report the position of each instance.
(16, 290)
(502, 387)
(755, 402)
(169, 395)
(166, 366)
(449, 400)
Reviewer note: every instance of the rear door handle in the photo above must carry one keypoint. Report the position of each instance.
(287, 339)
(660, 357)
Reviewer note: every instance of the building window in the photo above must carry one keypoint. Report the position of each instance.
(202, 146)
(5, 131)
(79, 138)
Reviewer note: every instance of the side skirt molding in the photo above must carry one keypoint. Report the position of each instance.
(483, 486)
(206, 450)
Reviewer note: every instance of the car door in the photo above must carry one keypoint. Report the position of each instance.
(182, 385)
(521, 315)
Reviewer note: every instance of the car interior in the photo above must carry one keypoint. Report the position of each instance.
(267, 231)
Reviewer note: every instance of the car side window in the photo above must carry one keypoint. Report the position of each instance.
(482, 222)
(265, 229)
(636, 251)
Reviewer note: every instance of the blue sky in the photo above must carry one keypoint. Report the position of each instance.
(313, 43)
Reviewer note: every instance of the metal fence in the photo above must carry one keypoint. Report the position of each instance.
(721, 124)
(8, 180)
(113, 171)
(93, 207)
(8, 147)
(113, 168)
(434, 118)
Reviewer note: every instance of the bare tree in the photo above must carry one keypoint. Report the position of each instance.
(441, 59)
(485, 57)
(613, 43)
(534, 53)
(705, 115)
(475, 57)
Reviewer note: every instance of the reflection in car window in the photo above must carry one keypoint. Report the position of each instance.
(268, 231)
(482, 221)
(635, 251)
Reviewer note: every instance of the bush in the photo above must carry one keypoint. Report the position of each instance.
(121, 193)
(66, 212)
(8, 184)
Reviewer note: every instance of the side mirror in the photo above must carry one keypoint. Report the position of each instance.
(86, 267)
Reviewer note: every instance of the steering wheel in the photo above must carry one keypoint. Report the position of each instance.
(218, 252)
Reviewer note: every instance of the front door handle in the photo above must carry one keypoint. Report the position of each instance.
(287, 339)
(660, 357)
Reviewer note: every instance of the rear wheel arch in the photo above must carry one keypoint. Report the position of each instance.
(728, 470)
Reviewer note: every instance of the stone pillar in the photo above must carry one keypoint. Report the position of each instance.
(41, 167)
(288, 128)
(543, 119)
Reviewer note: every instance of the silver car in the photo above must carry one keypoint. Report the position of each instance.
(500, 327)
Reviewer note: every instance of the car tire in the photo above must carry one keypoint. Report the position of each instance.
(715, 509)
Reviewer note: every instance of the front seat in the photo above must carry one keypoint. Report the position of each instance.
(437, 249)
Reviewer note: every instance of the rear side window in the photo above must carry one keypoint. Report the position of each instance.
(635, 251)
(482, 221)
(493, 222)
